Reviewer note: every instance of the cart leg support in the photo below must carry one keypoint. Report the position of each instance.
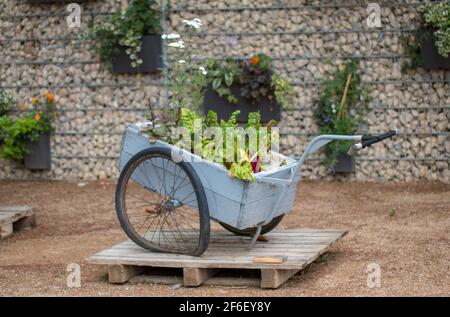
(255, 237)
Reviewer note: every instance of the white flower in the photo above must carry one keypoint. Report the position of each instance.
(171, 36)
(333, 108)
(178, 44)
(195, 23)
(181, 61)
(203, 70)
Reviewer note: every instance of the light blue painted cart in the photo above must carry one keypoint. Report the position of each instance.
(166, 197)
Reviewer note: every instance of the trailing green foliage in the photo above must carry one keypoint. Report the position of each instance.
(17, 133)
(339, 107)
(434, 18)
(125, 29)
(437, 16)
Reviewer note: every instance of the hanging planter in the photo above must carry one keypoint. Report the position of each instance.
(339, 110)
(344, 163)
(129, 42)
(249, 86)
(27, 138)
(38, 156)
(150, 54)
(269, 109)
(429, 52)
(430, 47)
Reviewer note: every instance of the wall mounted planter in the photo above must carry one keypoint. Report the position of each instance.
(430, 56)
(269, 109)
(150, 54)
(39, 156)
(345, 164)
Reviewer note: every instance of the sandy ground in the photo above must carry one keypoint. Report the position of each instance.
(404, 228)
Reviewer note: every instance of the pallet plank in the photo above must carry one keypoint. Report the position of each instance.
(121, 273)
(273, 278)
(6, 230)
(196, 276)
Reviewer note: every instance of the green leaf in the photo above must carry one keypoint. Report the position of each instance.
(228, 79)
(216, 83)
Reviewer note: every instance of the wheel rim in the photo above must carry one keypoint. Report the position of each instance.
(160, 206)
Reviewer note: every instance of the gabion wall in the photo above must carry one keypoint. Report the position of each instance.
(307, 40)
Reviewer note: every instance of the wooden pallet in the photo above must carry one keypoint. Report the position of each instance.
(286, 253)
(14, 218)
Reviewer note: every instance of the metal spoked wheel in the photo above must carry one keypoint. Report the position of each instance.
(251, 231)
(161, 204)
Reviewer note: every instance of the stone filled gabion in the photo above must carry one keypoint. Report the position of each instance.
(307, 43)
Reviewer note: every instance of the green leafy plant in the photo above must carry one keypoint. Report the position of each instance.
(247, 158)
(125, 29)
(222, 76)
(339, 107)
(6, 100)
(437, 17)
(36, 121)
(5, 124)
(434, 18)
(256, 79)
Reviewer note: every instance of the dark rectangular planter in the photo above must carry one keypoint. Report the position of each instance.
(269, 109)
(39, 156)
(150, 54)
(430, 55)
(345, 164)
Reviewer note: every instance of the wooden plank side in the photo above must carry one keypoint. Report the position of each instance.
(196, 276)
(122, 273)
(6, 230)
(273, 278)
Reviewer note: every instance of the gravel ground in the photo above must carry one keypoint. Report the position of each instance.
(404, 228)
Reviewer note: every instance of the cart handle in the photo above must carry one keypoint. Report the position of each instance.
(368, 140)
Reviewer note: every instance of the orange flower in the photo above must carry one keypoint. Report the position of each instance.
(37, 117)
(254, 60)
(33, 100)
(50, 97)
(22, 107)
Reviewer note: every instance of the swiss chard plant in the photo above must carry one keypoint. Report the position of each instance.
(247, 157)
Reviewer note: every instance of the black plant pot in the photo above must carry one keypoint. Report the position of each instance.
(39, 156)
(430, 55)
(269, 109)
(150, 54)
(345, 164)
